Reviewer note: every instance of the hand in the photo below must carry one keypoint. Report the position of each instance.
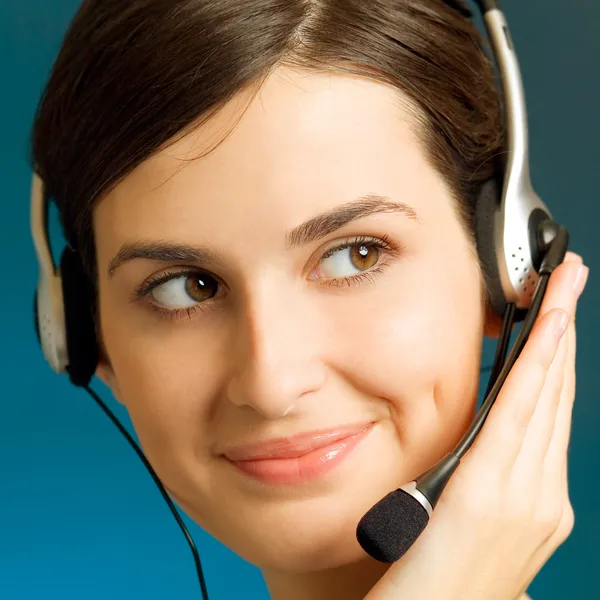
(506, 509)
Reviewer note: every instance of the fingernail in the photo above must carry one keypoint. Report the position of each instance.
(572, 257)
(560, 324)
(580, 279)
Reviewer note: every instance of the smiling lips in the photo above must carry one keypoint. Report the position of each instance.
(300, 458)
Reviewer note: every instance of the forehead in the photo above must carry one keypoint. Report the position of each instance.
(301, 144)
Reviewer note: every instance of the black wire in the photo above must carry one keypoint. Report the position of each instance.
(502, 345)
(160, 486)
(467, 440)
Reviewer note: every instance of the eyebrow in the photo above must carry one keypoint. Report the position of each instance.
(310, 231)
(162, 252)
(330, 221)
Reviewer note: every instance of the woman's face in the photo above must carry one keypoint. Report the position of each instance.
(320, 278)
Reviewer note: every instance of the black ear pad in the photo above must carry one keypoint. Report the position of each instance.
(82, 345)
(488, 203)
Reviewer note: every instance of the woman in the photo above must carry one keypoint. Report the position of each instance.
(274, 202)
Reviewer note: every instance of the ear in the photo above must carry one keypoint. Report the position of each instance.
(492, 322)
(105, 372)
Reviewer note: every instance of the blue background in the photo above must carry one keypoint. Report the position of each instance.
(80, 517)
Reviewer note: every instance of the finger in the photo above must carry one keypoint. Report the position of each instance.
(555, 463)
(556, 388)
(509, 418)
(504, 432)
(564, 288)
(558, 385)
(556, 456)
(530, 461)
(573, 257)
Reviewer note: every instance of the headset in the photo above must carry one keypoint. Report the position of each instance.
(518, 243)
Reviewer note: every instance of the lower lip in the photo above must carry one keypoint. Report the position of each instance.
(305, 468)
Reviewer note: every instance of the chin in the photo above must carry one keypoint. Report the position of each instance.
(303, 535)
(315, 550)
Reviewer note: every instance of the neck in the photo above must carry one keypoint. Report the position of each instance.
(351, 582)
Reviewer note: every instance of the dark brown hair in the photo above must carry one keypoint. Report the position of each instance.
(133, 75)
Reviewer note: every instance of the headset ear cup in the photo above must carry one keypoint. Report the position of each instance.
(82, 345)
(487, 205)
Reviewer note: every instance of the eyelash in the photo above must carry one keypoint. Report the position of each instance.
(386, 248)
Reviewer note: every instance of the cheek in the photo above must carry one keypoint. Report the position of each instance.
(416, 344)
(168, 383)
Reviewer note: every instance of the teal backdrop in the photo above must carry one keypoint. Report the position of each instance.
(80, 518)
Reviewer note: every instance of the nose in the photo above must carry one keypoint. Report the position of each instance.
(275, 354)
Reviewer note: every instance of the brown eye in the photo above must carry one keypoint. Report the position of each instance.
(350, 260)
(185, 290)
(364, 256)
(200, 287)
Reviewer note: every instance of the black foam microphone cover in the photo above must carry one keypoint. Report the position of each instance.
(392, 526)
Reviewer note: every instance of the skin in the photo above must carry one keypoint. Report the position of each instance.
(281, 350)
